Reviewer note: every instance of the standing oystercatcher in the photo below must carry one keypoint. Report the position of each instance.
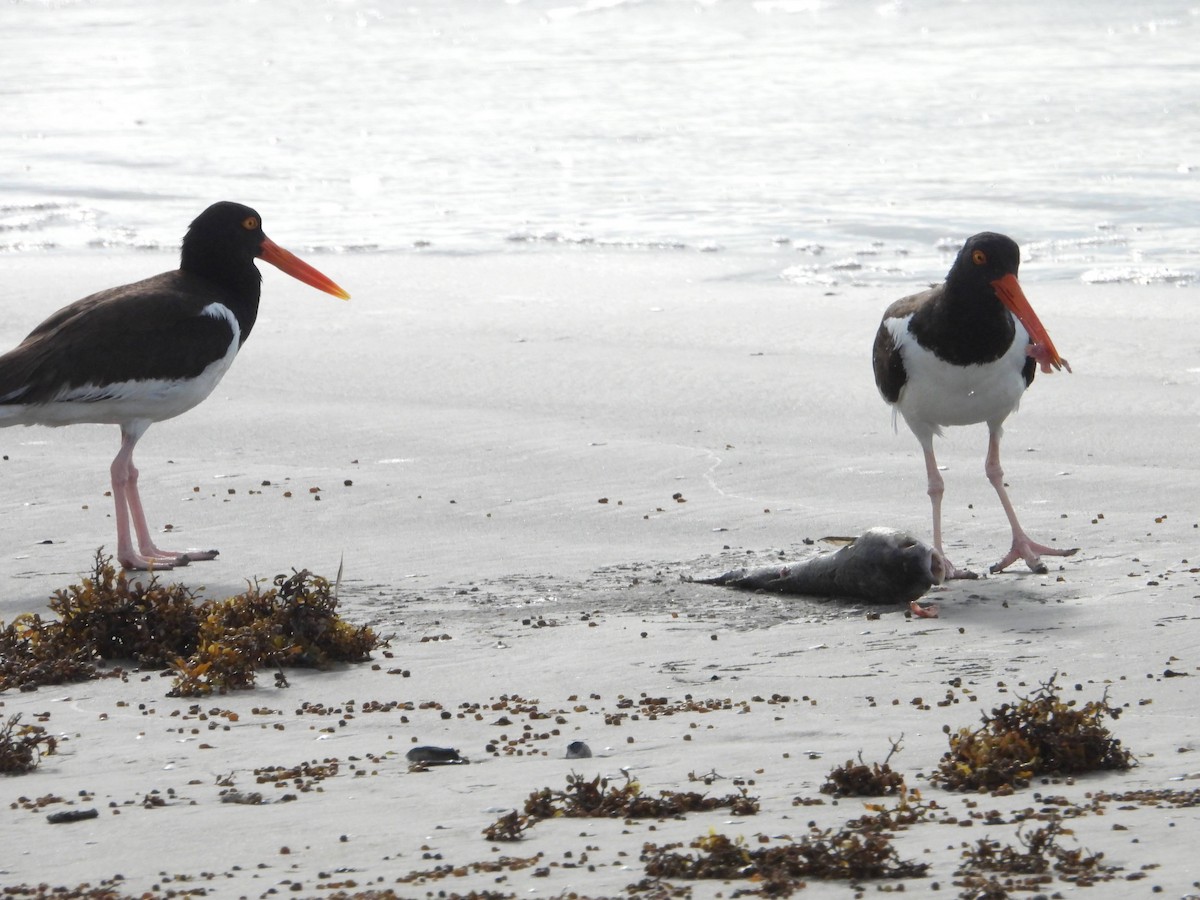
(964, 352)
(144, 352)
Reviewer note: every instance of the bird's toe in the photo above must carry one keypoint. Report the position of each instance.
(140, 563)
(200, 555)
(954, 573)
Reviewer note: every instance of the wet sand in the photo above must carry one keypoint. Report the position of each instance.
(517, 458)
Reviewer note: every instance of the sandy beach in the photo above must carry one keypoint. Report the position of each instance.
(516, 458)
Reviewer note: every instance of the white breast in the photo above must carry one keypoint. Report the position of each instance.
(938, 393)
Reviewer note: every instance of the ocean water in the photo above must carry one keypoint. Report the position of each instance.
(851, 143)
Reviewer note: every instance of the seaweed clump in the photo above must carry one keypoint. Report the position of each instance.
(595, 798)
(860, 780)
(295, 623)
(23, 746)
(105, 890)
(1039, 735)
(781, 870)
(103, 617)
(990, 869)
(213, 645)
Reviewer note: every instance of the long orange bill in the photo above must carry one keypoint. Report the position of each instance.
(296, 267)
(1008, 289)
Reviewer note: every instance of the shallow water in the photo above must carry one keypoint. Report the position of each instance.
(858, 142)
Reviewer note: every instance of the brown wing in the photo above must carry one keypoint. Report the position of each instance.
(149, 329)
(890, 376)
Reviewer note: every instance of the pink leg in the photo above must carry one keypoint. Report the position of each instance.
(1022, 546)
(129, 505)
(937, 487)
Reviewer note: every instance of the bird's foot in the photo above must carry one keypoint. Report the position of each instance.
(151, 559)
(923, 612)
(140, 562)
(1032, 552)
(199, 555)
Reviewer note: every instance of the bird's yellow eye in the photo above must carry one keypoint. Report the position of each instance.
(979, 258)
(250, 223)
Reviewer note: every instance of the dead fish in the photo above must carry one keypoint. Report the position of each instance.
(881, 565)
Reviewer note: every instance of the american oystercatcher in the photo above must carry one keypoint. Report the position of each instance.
(148, 351)
(961, 353)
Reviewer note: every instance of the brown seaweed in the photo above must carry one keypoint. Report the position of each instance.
(781, 870)
(1038, 735)
(23, 746)
(596, 798)
(212, 645)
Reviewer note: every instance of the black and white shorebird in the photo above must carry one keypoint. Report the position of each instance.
(961, 353)
(144, 352)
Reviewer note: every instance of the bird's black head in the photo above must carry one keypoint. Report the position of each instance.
(221, 245)
(984, 258)
(967, 320)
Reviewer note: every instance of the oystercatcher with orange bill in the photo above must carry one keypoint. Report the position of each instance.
(144, 352)
(961, 353)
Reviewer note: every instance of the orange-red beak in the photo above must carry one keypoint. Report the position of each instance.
(1008, 289)
(296, 267)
